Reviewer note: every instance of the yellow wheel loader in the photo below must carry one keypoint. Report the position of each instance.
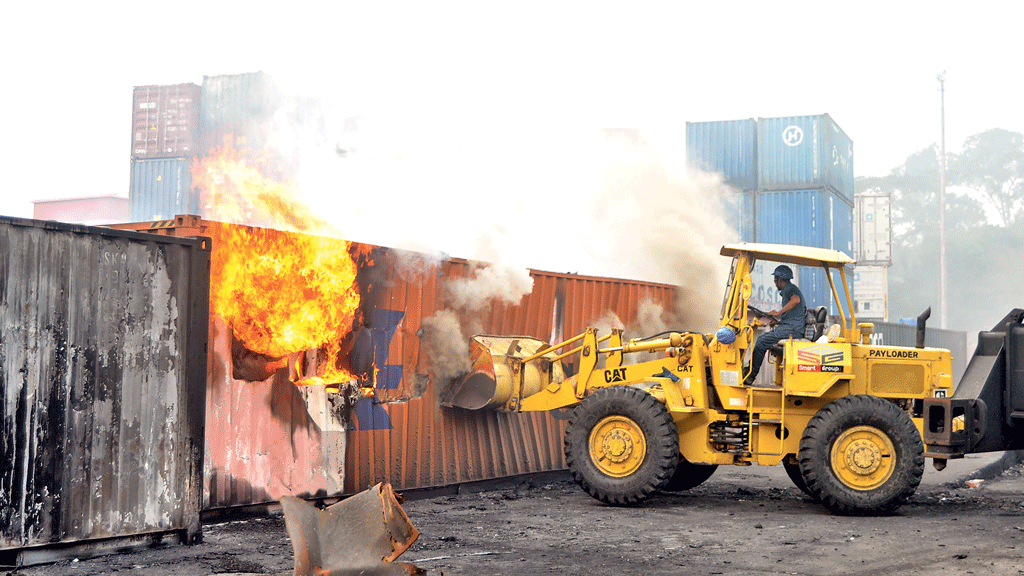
(844, 417)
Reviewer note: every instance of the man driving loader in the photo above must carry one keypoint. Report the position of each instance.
(792, 319)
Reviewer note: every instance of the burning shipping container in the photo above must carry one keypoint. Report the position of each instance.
(102, 372)
(269, 437)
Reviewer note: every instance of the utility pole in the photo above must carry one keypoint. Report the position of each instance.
(942, 205)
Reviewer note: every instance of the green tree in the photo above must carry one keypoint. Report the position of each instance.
(914, 186)
(985, 266)
(992, 164)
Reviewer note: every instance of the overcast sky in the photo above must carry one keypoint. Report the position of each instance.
(426, 67)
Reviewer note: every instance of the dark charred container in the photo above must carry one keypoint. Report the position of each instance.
(102, 376)
(165, 121)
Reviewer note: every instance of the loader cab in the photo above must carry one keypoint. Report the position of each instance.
(735, 307)
(727, 362)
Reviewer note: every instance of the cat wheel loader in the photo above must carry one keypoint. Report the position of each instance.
(851, 422)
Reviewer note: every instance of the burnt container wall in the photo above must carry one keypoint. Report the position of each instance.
(165, 121)
(162, 188)
(102, 366)
(727, 147)
(799, 152)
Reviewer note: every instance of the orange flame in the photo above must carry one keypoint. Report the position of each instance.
(282, 293)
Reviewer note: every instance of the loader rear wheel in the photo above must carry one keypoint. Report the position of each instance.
(793, 471)
(861, 455)
(621, 445)
(689, 475)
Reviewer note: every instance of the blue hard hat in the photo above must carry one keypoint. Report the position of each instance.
(783, 272)
(725, 335)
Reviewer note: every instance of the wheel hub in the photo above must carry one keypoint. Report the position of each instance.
(863, 457)
(617, 446)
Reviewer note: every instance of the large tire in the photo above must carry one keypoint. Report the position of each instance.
(861, 455)
(621, 445)
(689, 475)
(793, 471)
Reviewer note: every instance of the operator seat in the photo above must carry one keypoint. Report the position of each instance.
(815, 325)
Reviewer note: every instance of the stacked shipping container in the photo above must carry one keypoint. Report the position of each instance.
(794, 177)
(873, 245)
(165, 140)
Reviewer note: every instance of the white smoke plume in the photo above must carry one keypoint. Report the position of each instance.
(496, 282)
(445, 345)
(521, 193)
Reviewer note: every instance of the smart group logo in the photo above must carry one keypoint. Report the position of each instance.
(793, 135)
(820, 358)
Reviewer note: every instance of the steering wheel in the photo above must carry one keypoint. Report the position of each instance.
(761, 314)
(757, 312)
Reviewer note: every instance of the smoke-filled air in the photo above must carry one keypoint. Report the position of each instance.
(508, 197)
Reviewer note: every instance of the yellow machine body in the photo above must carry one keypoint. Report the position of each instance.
(699, 379)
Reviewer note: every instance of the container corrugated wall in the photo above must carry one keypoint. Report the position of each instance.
(101, 422)
(162, 188)
(165, 121)
(799, 152)
(816, 218)
(270, 438)
(728, 147)
(416, 443)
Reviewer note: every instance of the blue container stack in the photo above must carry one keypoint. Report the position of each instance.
(165, 136)
(794, 178)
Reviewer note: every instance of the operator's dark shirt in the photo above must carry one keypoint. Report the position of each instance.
(796, 317)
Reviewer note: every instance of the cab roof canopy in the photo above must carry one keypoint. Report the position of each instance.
(799, 255)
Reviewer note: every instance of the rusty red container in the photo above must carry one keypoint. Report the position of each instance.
(271, 438)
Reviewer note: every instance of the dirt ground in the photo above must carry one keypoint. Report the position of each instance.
(742, 521)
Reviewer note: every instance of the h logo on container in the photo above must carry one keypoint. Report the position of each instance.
(793, 135)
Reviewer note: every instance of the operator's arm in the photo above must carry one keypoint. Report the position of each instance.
(789, 306)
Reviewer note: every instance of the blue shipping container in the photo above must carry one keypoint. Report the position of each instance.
(804, 152)
(726, 147)
(161, 188)
(238, 109)
(739, 212)
(816, 218)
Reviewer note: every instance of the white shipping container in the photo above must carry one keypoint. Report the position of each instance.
(873, 228)
(871, 286)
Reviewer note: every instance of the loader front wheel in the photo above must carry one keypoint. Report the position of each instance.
(621, 445)
(861, 455)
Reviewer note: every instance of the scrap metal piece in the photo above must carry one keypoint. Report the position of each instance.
(363, 534)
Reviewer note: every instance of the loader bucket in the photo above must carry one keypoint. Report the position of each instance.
(498, 378)
(362, 534)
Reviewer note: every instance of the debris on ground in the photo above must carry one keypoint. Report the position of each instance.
(363, 534)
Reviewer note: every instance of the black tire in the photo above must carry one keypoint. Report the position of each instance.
(793, 471)
(689, 475)
(861, 455)
(636, 445)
